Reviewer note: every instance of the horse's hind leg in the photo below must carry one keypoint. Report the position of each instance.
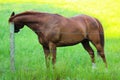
(100, 48)
(100, 51)
(88, 48)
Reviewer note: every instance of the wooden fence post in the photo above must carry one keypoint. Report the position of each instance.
(12, 47)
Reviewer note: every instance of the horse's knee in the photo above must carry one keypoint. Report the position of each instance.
(53, 60)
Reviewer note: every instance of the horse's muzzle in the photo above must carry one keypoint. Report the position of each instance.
(16, 31)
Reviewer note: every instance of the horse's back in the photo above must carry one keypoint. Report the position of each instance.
(89, 22)
(83, 18)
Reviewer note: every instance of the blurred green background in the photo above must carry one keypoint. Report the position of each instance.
(73, 62)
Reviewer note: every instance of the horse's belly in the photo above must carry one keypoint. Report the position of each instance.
(70, 40)
(61, 44)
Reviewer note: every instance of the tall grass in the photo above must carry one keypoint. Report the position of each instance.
(73, 62)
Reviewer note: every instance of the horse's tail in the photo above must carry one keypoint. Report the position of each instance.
(101, 32)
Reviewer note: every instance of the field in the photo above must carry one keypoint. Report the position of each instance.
(73, 62)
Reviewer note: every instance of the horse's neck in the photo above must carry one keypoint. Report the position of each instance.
(36, 24)
(32, 26)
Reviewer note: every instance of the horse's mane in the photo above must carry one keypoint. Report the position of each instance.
(26, 13)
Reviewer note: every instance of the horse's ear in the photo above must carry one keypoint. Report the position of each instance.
(13, 13)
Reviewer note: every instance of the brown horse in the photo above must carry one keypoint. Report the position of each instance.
(54, 31)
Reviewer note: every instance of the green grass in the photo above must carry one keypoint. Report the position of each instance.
(73, 62)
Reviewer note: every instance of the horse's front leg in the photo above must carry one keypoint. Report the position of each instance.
(52, 48)
(47, 56)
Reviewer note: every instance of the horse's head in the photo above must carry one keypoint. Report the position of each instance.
(17, 24)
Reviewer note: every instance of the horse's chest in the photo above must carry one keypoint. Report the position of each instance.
(51, 37)
(43, 41)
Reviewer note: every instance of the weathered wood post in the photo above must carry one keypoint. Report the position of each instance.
(12, 47)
